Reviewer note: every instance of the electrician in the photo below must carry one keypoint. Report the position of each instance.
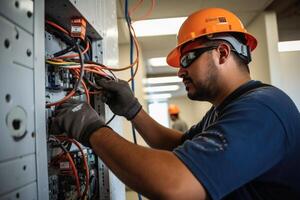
(247, 146)
(178, 123)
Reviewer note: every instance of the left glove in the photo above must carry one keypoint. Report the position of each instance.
(119, 97)
(77, 119)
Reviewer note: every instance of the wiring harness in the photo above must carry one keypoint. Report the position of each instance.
(76, 58)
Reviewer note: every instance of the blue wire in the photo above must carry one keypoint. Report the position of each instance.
(128, 20)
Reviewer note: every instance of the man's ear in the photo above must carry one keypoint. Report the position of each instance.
(224, 52)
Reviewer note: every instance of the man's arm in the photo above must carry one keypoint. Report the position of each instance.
(156, 174)
(119, 97)
(156, 135)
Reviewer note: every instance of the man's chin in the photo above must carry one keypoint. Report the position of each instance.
(191, 96)
(197, 97)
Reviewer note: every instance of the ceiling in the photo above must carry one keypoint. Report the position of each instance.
(160, 46)
(288, 18)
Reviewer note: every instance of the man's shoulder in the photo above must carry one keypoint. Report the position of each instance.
(273, 98)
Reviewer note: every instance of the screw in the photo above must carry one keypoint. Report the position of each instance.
(6, 43)
(28, 52)
(29, 14)
(7, 98)
(17, 4)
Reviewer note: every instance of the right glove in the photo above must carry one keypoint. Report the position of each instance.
(78, 119)
(119, 97)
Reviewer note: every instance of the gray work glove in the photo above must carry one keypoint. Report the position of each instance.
(77, 119)
(119, 97)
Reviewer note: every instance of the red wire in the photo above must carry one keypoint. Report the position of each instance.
(62, 100)
(87, 177)
(57, 27)
(68, 33)
(147, 14)
(75, 173)
(86, 166)
(134, 7)
(73, 167)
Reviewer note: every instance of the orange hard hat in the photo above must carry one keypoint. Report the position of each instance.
(207, 22)
(173, 109)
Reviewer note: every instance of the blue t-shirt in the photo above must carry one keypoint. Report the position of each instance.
(248, 147)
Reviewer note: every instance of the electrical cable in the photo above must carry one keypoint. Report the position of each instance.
(81, 68)
(76, 54)
(64, 51)
(77, 82)
(136, 6)
(149, 12)
(70, 94)
(127, 17)
(66, 33)
(71, 161)
(60, 32)
(110, 119)
(57, 27)
(86, 91)
(85, 163)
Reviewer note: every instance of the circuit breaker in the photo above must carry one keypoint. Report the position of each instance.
(35, 75)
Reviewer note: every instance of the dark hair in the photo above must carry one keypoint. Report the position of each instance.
(240, 62)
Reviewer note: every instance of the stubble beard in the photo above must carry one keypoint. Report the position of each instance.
(206, 89)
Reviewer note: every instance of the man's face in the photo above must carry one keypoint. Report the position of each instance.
(173, 117)
(200, 77)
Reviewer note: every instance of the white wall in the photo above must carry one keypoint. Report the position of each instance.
(190, 111)
(268, 64)
(290, 68)
(265, 65)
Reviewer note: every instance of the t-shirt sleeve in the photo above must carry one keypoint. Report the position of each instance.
(247, 140)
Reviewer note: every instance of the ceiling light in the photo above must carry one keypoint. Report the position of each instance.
(154, 27)
(158, 62)
(165, 79)
(161, 88)
(289, 46)
(158, 96)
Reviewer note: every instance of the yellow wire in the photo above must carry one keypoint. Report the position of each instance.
(61, 63)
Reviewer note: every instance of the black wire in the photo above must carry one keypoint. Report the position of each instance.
(86, 56)
(63, 36)
(113, 74)
(110, 71)
(64, 51)
(90, 51)
(110, 119)
(95, 86)
(81, 67)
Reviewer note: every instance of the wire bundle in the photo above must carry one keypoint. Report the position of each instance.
(77, 67)
(80, 67)
(65, 154)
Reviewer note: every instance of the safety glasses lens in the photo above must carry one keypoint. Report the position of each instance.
(191, 56)
(187, 59)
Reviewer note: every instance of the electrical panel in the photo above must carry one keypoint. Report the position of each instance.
(35, 77)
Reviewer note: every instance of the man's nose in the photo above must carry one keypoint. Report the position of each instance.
(181, 72)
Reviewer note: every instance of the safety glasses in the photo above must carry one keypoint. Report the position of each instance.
(187, 59)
